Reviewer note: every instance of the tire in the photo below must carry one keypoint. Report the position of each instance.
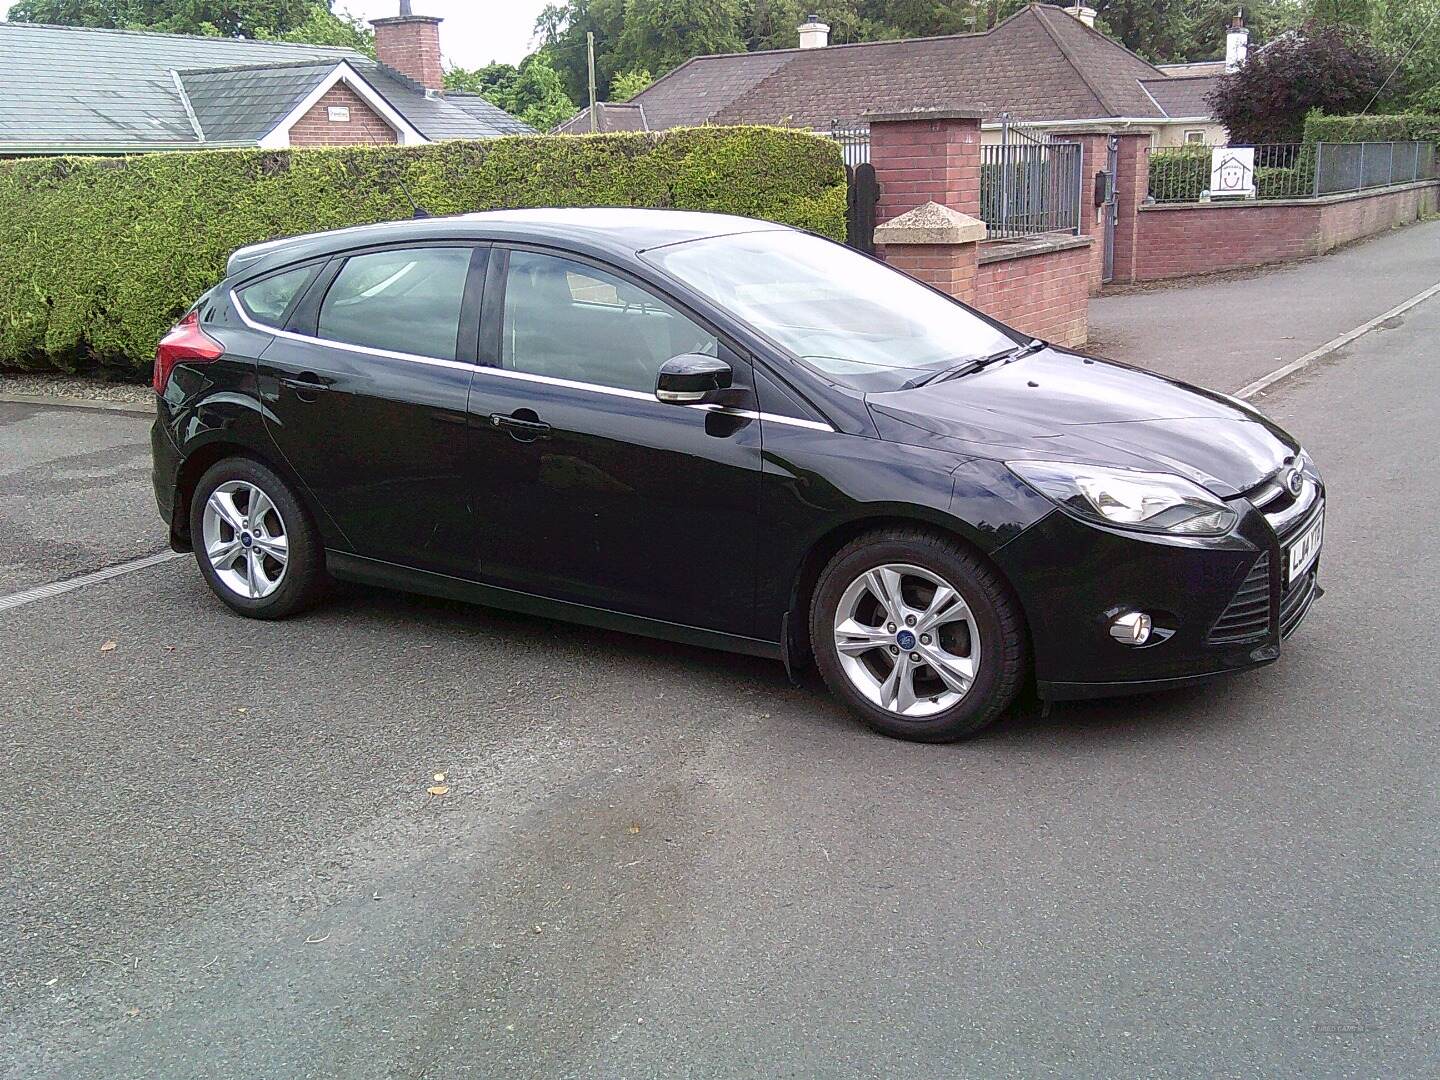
(982, 631)
(279, 587)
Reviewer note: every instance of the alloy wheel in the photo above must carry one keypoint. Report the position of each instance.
(907, 640)
(245, 539)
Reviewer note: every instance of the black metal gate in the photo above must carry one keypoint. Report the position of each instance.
(1111, 206)
(862, 192)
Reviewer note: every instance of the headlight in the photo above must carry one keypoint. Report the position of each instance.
(1146, 501)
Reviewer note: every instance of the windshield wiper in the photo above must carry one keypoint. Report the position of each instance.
(969, 367)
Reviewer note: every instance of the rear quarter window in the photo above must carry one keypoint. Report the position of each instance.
(269, 300)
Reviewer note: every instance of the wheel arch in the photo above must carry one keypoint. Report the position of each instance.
(200, 460)
(824, 548)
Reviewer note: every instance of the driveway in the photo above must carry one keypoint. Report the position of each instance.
(220, 858)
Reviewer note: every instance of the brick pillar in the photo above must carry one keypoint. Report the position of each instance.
(936, 245)
(411, 45)
(923, 156)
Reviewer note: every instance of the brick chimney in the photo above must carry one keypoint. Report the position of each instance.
(410, 44)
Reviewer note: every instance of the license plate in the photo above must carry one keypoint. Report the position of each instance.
(1304, 551)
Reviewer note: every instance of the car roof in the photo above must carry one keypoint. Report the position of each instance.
(614, 230)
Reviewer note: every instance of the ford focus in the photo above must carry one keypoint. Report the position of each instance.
(729, 433)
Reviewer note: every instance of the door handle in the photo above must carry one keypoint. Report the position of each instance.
(520, 428)
(306, 383)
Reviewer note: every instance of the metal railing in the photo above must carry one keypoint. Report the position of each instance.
(1294, 170)
(1029, 186)
(854, 142)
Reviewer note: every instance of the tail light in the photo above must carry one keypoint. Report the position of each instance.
(187, 344)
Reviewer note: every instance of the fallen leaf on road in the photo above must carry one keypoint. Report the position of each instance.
(132, 1013)
(109, 646)
(633, 829)
(439, 789)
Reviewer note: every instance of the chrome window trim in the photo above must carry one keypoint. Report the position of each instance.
(364, 350)
(523, 376)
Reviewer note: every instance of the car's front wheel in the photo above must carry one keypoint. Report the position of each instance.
(255, 544)
(917, 635)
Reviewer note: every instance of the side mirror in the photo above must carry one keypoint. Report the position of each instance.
(691, 379)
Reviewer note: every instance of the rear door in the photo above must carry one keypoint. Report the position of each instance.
(587, 488)
(366, 389)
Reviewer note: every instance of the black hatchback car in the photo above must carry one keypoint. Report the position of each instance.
(730, 433)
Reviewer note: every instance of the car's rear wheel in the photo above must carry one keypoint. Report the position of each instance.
(917, 635)
(255, 545)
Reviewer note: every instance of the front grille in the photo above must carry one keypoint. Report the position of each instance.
(1248, 615)
(1286, 513)
(1296, 602)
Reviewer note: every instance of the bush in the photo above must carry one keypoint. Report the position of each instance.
(1403, 127)
(99, 256)
(1179, 174)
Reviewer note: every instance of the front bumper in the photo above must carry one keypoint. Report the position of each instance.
(1220, 603)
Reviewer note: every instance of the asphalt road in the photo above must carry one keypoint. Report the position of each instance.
(220, 860)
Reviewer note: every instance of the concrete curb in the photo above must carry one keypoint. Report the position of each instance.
(96, 404)
(1334, 345)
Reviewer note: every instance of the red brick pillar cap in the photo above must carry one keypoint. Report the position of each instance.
(931, 224)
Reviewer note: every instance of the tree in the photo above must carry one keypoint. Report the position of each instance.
(1343, 14)
(533, 91)
(308, 21)
(562, 28)
(326, 27)
(629, 83)
(662, 34)
(1410, 30)
(1318, 67)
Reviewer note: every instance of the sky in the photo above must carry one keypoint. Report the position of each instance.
(474, 32)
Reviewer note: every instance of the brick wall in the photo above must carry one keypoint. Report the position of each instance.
(365, 126)
(1201, 238)
(1040, 288)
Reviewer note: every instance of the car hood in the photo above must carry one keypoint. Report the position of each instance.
(1057, 405)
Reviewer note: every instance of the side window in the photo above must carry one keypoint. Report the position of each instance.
(268, 300)
(403, 301)
(570, 321)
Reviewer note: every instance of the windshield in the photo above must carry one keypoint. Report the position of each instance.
(850, 318)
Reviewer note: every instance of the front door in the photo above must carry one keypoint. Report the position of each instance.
(586, 487)
(367, 400)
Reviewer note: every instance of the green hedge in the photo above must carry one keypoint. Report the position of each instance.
(99, 256)
(1404, 127)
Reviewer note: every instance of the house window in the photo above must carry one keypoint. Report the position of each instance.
(1195, 137)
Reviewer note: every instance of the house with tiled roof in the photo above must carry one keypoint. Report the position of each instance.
(78, 90)
(1044, 67)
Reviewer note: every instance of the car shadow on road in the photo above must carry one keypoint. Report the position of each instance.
(1093, 723)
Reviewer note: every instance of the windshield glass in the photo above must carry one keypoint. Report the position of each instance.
(854, 320)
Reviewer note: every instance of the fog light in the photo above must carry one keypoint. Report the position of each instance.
(1131, 628)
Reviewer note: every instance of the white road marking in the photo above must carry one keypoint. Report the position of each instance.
(1267, 381)
(58, 588)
